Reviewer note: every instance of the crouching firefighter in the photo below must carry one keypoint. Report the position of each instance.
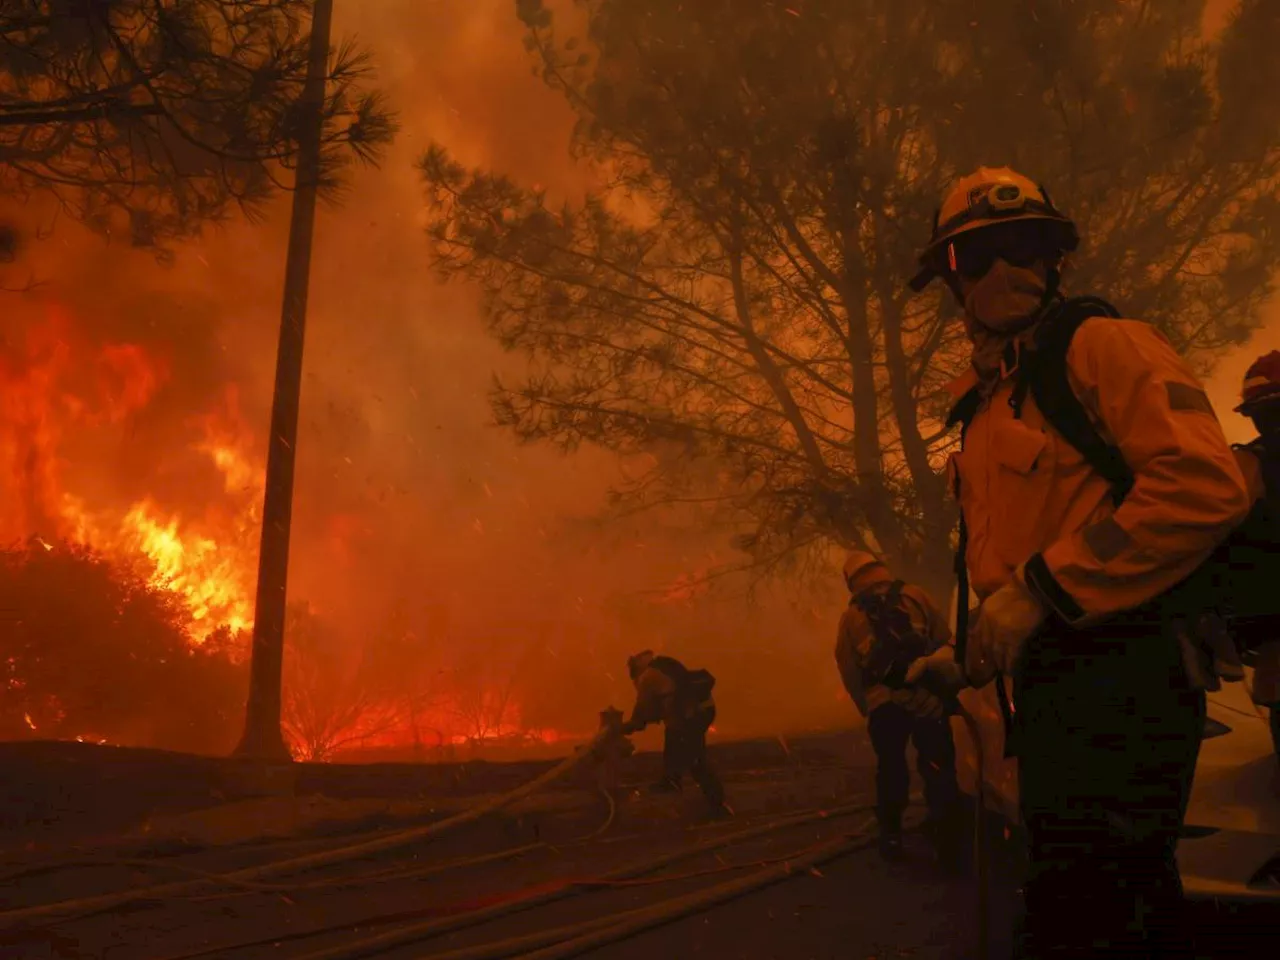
(669, 693)
(888, 625)
(1093, 479)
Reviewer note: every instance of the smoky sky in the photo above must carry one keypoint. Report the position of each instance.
(407, 498)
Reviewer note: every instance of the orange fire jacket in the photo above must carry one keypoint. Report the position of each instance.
(1026, 492)
(855, 636)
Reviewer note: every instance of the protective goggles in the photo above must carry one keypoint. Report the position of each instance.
(1006, 224)
(1019, 244)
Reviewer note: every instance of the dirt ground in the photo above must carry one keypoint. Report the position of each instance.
(79, 821)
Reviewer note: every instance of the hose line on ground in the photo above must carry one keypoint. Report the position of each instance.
(417, 932)
(392, 875)
(93, 904)
(553, 936)
(670, 910)
(400, 873)
(460, 920)
(613, 810)
(245, 887)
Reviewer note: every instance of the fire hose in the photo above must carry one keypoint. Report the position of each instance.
(523, 900)
(80, 906)
(574, 939)
(981, 858)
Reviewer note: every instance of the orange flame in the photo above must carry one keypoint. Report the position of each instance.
(65, 395)
(59, 387)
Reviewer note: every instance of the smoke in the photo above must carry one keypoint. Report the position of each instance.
(411, 509)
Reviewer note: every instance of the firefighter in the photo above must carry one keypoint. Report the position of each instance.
(1072, 571)
(680, 699)
(886, 626)
(1260, 463)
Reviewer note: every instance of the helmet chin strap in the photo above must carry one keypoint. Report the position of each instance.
(1052, 286)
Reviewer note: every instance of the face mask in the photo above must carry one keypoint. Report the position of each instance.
(1005, 299)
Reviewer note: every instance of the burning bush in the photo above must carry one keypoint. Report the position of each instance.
(92, 650)
(333, 698)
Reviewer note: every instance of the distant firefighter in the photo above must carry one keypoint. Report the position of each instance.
(887, 625)
(669, 693)
(1260, 463)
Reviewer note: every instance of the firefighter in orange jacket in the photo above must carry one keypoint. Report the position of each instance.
(666, 694)
(886, 626)
(1107, 723)
(1260, 463)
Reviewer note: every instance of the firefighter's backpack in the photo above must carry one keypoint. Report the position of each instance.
(896, 641)
(693, 687)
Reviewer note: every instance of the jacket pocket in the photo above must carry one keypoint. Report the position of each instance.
(1018, 448)
(1020, 485)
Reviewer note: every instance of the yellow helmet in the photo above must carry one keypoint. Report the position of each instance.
(984, 198)
(857, 562)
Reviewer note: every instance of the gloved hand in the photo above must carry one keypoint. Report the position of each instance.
(1004, 623)
(918, 702)
(940, 670)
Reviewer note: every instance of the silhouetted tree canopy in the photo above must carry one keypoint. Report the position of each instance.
(732, 300)
(147, 118)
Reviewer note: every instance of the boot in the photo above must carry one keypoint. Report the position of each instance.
(719, 811)
(665, 785)
(890, 843)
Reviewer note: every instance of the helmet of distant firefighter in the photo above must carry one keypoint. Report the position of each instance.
(1261, 387)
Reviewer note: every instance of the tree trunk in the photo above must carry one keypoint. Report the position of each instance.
(262, 738)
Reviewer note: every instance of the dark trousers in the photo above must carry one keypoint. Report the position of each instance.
(890, 727)
(1107, 733)
(684, 750)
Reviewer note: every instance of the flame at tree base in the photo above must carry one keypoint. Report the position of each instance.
(64, 396)
(186, 551)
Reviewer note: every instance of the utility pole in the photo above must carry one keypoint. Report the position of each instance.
(262, 739)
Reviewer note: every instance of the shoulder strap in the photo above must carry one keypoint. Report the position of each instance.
(963, 411)
(1045, 372)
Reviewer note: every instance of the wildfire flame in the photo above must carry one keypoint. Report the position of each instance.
(67, 413)
(58, 388)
